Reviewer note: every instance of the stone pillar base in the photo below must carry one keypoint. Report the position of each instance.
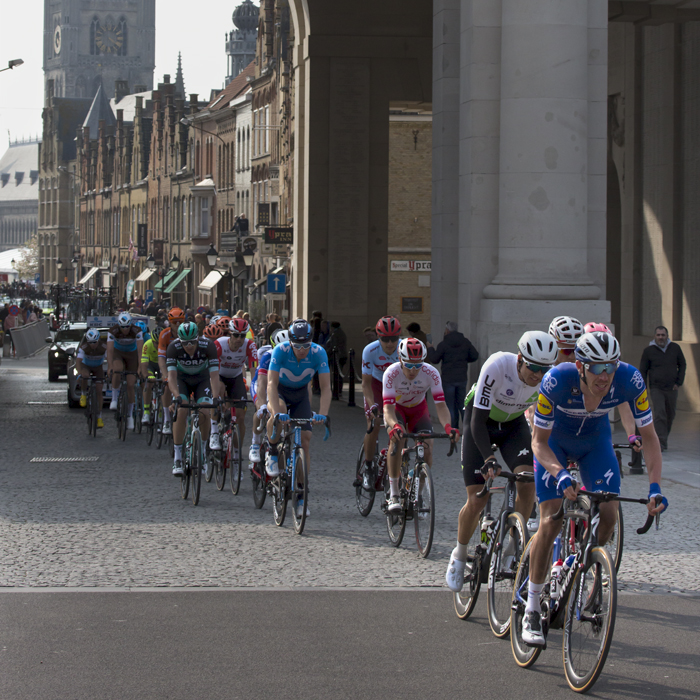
(503, 321)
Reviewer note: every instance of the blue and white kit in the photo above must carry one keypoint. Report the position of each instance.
(295, 373)
(264, 357)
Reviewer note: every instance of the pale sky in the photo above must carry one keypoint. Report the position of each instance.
(180, 26)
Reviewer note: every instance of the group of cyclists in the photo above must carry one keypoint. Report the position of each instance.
(543, 408)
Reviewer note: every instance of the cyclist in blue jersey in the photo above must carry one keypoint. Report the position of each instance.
(124, 346)
(292, 367)
(572, 425)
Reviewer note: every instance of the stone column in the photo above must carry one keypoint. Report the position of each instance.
(552, 141)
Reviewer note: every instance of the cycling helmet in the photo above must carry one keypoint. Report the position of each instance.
(566, 329)
(155, 334)
(300, 331)
(388, 326)
(594, 326)
(238, 325)
(279, 336)
(538, 347)
(223, 323)
(124, 320)
(188, 331)
(213, 331)
(142, 325)
(92, 336)
(597, 347)
(214, 319)
(412, 350)
(176, 314)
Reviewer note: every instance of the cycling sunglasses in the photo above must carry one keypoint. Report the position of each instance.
(189, 342)
(301, 346)
(600, 367)
(566, 351)
(237, 335)
(412, 365)
(390, 339)
(538, 368)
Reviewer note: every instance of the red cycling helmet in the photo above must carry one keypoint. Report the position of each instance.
(594, 326)
(412, 350)
(388, 326)
(223, 323)
(212, 331)
(238, 325)
(176, 314)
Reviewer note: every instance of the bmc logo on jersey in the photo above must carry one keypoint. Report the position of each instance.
(642, 401)
(543, 405)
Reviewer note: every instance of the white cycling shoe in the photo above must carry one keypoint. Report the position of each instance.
(167, 429)
(455, 573)
(215, 441)
(272, 466)
(113, 404)
(531, 632)
(254, 453)
(130, 423)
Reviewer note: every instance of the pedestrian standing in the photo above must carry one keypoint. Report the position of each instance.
(414, 331)
(455, 351)
(338, 342)
(663, 369)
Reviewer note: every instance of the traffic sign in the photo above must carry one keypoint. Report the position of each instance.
(149, 296)
(37, 278)
(276, 284)
(14, 310)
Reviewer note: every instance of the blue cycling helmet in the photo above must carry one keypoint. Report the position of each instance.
(300, 331)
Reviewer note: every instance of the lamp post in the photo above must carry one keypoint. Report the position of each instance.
(12, 64)
(151, 262)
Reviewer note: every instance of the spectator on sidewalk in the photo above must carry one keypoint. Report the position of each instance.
(414, 331)
(370, 334)
(663, 369)
(455, 351)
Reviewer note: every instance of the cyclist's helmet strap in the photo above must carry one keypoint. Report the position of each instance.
(300, 331)
(188, 331)
(388, 326)
(412, 350)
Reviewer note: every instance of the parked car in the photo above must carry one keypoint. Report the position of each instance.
(68, 336)
(74, 378)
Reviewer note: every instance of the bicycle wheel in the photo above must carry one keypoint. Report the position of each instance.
(259, 479)
(590, 621)
(424, 510)
(95, 404)
(89, 414)
(300, 491)
(196, 466)
(279, 492)
(395, 522)
(185, 480)
(121, 413)
(219, 460)
(615, 543)
(364, 498)
(151, 426)
(208, 465)
(465, 600)
(158, 425)
(502, 571)
(234, 459)
(524, 655)
(138, 408)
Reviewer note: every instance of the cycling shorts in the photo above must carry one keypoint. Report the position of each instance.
(597, 464)
(97, 372)
(153, 370)
(235, 388)
(297, 402)
(415, 419)
(377, 394)
(197, 384)
(513, 440)
(130, 359)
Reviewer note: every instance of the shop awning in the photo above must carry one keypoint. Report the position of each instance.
(262, 280)
(176, 280)
(165, 280)
(90, 273)
(210, 281)
(145, 275)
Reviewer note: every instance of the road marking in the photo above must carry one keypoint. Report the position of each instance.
(47, 403)
(64, 459)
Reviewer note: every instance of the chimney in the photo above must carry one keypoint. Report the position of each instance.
(121, 89)
(194, 103)
(166, 79)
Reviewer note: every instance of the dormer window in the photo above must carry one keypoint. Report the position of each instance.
(18, 178)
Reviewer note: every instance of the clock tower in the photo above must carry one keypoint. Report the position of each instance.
(93, 42)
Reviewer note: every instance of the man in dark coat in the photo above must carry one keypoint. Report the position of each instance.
(455, 352)
(663, 369)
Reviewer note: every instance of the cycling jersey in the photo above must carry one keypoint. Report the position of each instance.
(149, 352)
(264, 357)
(92, 355)
(166, 337)
(204, 359)
(398, 389)
(295, 373)
(231, 362)
(500, 390)
(375, 361)
(560, 404)
(124, 343)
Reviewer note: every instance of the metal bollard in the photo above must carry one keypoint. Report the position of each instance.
(351, 378)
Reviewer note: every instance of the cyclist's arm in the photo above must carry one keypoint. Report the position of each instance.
(79, 363)
(652, 452)
(480, 433)
(443, 413)
(543, 452)
(261, 396)
(110, 354)
(390, 419)
(627, 418)
(367, 389)
(273, 397)
(143, 367)
(324, 381)
(172, 382)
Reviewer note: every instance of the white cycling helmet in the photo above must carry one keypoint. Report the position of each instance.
(279, 336)
(214, 319)
(124, 320)
(412, 350)
(93, 335)
(566, 329)
(538, 347)
(597, 347)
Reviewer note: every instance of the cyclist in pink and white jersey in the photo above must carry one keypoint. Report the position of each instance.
(404, 389)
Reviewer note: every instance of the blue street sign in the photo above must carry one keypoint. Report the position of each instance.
(149, 296)
(276, 284)
(37, 278)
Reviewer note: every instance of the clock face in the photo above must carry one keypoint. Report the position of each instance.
(109, 39)
(57, 40)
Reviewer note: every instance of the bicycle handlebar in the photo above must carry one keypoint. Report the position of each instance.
(525, 477)
(424, 436)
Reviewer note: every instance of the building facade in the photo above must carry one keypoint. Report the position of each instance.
(240, 42)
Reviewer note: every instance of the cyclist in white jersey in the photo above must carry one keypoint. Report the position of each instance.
(494, 415)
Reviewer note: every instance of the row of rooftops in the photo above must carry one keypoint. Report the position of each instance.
(19, 171)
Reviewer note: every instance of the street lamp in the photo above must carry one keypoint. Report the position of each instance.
(248, 257)
(11, 64)
(174, 262)
(151, 262)
(212, 255)
(59, 264)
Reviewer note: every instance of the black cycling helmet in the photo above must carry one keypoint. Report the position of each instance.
(300, 331)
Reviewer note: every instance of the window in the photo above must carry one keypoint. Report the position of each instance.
(94, 26)
(204, 217)
(122, 50)
(266, 131)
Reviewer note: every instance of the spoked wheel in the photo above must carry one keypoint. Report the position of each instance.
(234, 458)
(300, 491)
(197, 466)
(590, 621)
(259, 479)
(185, 480)
(524, 655)
(615, 543)
(364, 498)
(218, 458)
(121, 414)
(395, 522)
(138, 409)
(424, 510)
(465, 600)
(502, 571)
(159, 413)
(208, 465)
(151, 425)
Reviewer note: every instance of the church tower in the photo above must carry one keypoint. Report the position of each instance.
(88, 44)
(240, 43)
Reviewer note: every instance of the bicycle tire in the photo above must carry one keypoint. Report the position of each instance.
(121, 411)
(395, 522)
(465, 600)
(424, 510)
(590, 621)
(219, 458)
(364, 498)
(96, 408)
(196, 466)
(138, 408)
(523, 654)
(185, 481)
(257, 476)
(158, 427)
(502, 570)
(151, 426)
(89, 413)
(300, 492)
(616, 543)
(279, 492)
(235, 463)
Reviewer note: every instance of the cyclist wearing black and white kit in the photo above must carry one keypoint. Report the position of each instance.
(494, 415)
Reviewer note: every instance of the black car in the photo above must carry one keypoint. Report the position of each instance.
(65, 338)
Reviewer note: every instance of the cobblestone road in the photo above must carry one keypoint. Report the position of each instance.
(120, 521)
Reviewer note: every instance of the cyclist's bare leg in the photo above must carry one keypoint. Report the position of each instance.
(542, 541)
(130, 383)
(204, 426)
(370, 439)
(117, 366)
(470, 513)
(84, 374)
(525, 493)
(271, 424)
(608, 518)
